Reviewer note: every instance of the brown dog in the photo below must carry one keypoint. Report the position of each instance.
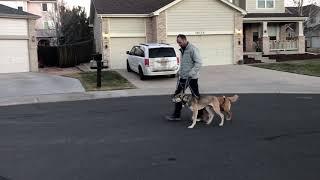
(210, 103)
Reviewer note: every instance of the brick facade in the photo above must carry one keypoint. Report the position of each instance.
(249, 29)
(32, 45)
(238, 38)
(156, 28)
(150, 30)
(162, 27)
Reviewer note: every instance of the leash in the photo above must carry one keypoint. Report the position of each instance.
(186, 85)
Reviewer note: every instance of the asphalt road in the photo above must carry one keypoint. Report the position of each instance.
(272, 137)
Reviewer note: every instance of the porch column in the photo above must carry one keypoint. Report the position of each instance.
(265, 39)
(300, 25)
(301, 38)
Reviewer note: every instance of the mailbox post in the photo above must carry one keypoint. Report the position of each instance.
(98, 59)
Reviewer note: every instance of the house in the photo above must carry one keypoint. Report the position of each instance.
(312, 24)
(215, 26)
(18, 45)
(265, 29)
(45, 25)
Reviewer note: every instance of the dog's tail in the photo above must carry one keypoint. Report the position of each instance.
(233, 98)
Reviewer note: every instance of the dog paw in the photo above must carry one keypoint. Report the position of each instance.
(190, 127)
(220, 125)
(198, 119)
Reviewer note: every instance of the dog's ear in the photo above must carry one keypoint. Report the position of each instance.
(233, 98)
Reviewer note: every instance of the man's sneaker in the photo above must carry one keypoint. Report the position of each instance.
(173, 118)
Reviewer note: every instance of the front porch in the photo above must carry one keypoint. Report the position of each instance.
(273, 35)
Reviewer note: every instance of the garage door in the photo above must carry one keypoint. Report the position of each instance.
(315, 42)
(214, 49)
(14, 56)
(119, 46)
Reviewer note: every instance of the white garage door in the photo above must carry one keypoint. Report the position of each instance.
(315, 42)
(214, 49)
(14, 56)
(119, 46)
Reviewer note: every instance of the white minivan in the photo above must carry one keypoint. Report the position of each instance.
(153, 60)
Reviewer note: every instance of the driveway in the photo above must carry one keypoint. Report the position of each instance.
(27, 84)
(235, 79)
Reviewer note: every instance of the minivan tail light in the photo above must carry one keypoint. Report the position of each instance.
(146, 62)
(178, 60)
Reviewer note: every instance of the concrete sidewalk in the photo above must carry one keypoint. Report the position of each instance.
(214, 80)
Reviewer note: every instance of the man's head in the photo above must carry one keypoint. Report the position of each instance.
(182, 40)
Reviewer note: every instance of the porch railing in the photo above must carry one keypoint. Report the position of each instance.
(285, 45)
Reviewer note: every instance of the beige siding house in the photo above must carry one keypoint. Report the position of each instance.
(215, 26)
(46, 10)
(18, 45)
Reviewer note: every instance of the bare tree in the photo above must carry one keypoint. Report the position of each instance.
(300, 6)
(55, 17)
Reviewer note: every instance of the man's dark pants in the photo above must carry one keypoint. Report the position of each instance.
(181, 87)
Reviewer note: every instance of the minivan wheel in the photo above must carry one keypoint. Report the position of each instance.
(128, 67)
(141, 75)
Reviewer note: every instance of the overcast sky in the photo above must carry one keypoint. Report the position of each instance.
(86, 3)
(83, 3)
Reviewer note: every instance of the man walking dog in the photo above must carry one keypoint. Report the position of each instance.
(188, 75)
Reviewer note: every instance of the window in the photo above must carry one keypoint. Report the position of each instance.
(46, 25)
(44, 7)
(265, 3)
(162, 52)
(132, 50)
(139, 52)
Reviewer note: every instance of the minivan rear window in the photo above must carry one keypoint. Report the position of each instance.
(161, 52)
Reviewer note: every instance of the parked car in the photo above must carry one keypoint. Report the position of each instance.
(153, 60)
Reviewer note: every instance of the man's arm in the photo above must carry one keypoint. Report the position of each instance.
(197, 62)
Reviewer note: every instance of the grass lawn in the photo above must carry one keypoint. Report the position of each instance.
(306, 67)
(110, 80)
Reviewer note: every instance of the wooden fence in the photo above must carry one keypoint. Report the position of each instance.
(68, 55)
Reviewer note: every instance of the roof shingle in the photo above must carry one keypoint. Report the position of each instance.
(5, 10)
(129, 6)
(307, 11)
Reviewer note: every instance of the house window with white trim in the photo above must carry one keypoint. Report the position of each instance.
(265, 3)
(44, 7)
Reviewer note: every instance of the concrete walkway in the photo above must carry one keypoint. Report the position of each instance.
(25, 89)
(34, 84)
